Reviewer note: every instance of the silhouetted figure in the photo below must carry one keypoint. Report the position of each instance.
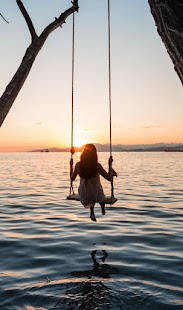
(90, 188)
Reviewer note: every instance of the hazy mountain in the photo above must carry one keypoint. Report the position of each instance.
(157, 147)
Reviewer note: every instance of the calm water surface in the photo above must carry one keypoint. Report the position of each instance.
(52, 256)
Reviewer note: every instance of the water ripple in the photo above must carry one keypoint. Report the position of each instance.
(54, 257)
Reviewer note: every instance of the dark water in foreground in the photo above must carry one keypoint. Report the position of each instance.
(53, 257)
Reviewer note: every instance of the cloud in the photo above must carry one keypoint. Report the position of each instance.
(81, 130)
(150, 126)
(118, 126)
(88, 130)
(39, 123)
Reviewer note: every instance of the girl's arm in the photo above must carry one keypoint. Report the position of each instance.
(106, 175)
(73, 173)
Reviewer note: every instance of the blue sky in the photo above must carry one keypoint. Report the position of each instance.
(146, 92)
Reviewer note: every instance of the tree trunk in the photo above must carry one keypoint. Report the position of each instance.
(16, 83)
(19, 78)
(168, 16)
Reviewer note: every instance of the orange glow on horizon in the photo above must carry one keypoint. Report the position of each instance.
(78, 142)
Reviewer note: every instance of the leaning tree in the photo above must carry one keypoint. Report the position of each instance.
(37, 42)
(168, 16)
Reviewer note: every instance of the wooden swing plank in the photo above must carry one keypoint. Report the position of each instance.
(73, 197)
(108, 200)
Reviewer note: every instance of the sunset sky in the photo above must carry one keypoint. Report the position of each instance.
(147, 97)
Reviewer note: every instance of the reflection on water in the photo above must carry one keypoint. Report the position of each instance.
(53, 257)
(88, 295)
(99, 269)
(92, 293)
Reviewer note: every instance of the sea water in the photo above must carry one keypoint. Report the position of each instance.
(52, 256)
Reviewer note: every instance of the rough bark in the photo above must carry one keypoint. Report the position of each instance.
(168, 16)
(16, 83)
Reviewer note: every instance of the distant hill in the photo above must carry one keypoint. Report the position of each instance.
(157, 147)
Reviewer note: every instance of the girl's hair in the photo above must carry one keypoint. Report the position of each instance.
(88, 162)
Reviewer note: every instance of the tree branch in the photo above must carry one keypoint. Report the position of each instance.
(4, 18)
(27, 19)
(60, 20)
(17, 81)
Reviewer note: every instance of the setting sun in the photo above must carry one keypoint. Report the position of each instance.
(78, 142)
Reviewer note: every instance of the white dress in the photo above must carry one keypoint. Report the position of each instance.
(91, 191)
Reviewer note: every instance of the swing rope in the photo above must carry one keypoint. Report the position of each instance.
(72, 150)
(109, 68)
(110, 92)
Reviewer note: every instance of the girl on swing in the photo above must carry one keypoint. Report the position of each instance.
(90, 189)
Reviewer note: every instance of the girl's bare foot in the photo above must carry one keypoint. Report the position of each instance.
(103, 210)
(93, 218)
(92, 215)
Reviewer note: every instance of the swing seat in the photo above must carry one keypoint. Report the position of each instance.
(108, 200)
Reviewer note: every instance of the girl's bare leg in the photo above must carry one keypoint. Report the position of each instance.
(92, 214)
(102, 204)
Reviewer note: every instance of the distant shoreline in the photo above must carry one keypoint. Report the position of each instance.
(122, 151)
(156, 147)
(130, 151)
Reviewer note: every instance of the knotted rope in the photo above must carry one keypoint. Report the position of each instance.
(72, 150)
(110, 92)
